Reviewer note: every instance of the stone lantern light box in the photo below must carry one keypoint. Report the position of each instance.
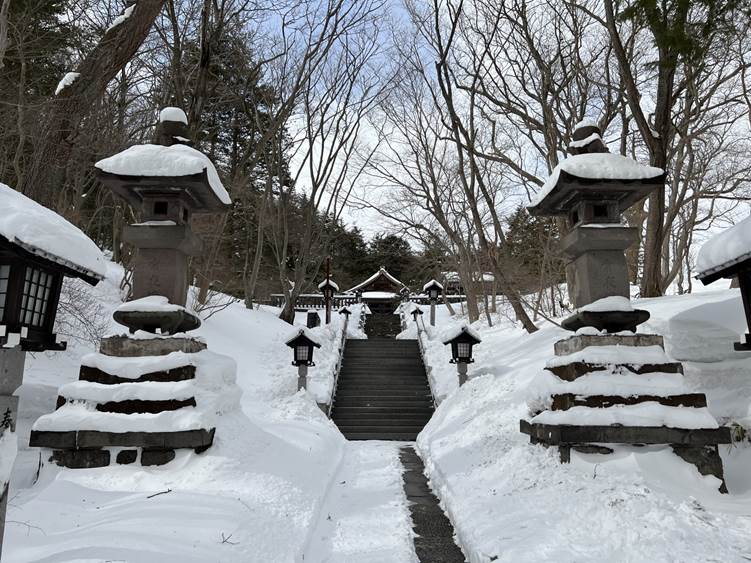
(329, 288)
(38, 248)
(728, 255)
(462, 340)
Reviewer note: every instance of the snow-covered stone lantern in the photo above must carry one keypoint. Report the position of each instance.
(38, 248)
(461, 339)
(433, 290)
(108, 415)
(594, 395)
(303, 345)
(728, 255)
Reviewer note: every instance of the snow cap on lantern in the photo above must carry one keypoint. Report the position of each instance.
(302, 344)
(592, 188)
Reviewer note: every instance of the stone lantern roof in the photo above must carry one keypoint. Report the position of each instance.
(170, 169)
(593, 173)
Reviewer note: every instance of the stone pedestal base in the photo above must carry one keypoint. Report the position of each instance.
(78, 449)
(696, 446)
(610, 321)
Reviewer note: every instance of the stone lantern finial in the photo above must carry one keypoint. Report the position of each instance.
(586, 139)
(172, 128)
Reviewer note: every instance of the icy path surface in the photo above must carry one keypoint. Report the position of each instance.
(365, 517)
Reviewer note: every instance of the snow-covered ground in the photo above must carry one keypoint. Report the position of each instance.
(512, 501)
(255, 496)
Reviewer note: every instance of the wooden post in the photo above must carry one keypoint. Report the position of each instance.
(328, 297)
(432, 312)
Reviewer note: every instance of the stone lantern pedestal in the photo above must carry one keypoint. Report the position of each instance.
(609, 385)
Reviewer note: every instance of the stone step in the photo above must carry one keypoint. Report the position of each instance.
(95, 375)
(406, 422)
(82, 439)
(567, 400)
(396, 436)
(410, 404)
(345, 411)
(135, 406)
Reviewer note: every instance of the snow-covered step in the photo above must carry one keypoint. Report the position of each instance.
(130, 398)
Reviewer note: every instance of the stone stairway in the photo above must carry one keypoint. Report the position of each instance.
(383, 391)
(382, 325)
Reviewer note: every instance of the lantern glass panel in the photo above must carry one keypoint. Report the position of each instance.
(464, 350)
(4, 276)
(302, 353)
(36, 295)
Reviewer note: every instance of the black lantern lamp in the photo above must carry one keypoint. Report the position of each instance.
(416, 313)
(344, 311)
(434, 290)
(462, 342)
(328, 288)
(30, 285)
(302, 347)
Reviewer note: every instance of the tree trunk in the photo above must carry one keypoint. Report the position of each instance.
(73, 103)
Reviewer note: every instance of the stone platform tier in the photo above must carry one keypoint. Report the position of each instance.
(138, 400)
(604, 390)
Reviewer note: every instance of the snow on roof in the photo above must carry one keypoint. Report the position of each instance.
(731, 246)
(324, 283)
(585, 123)
(66, 81)
(603, 166)
(158, 160)
(585, 141)
(379, 295)
(301, 331)
(454, 276)
(432, 283)
(452, 332)
(173, 114)
(381, 272)
(121, 18)
(45, 233)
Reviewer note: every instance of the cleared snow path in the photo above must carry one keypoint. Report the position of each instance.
(365, 517)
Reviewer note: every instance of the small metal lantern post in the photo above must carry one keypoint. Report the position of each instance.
(302, 347)
(461, 342)
(416, 313)
(434, 291)
(329, 289)
(346, 312)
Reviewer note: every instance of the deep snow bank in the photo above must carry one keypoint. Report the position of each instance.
(511, 501)
(255, 496)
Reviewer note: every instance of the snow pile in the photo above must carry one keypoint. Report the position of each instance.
(725, 249)
(255, 496)
(649, 413)
(121, 18)
(152, 304)
(66, 81)
(158, 160)
(510, 500)
(613, 303)
(214, 388)
(603, 166)
(45, 233)
(173, 114)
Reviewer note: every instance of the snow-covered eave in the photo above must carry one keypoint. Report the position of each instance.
(432, 283)
(371, 279)
(726, 269)
(70, 269)
(453, 332)
(302, 332)
(327, 283)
